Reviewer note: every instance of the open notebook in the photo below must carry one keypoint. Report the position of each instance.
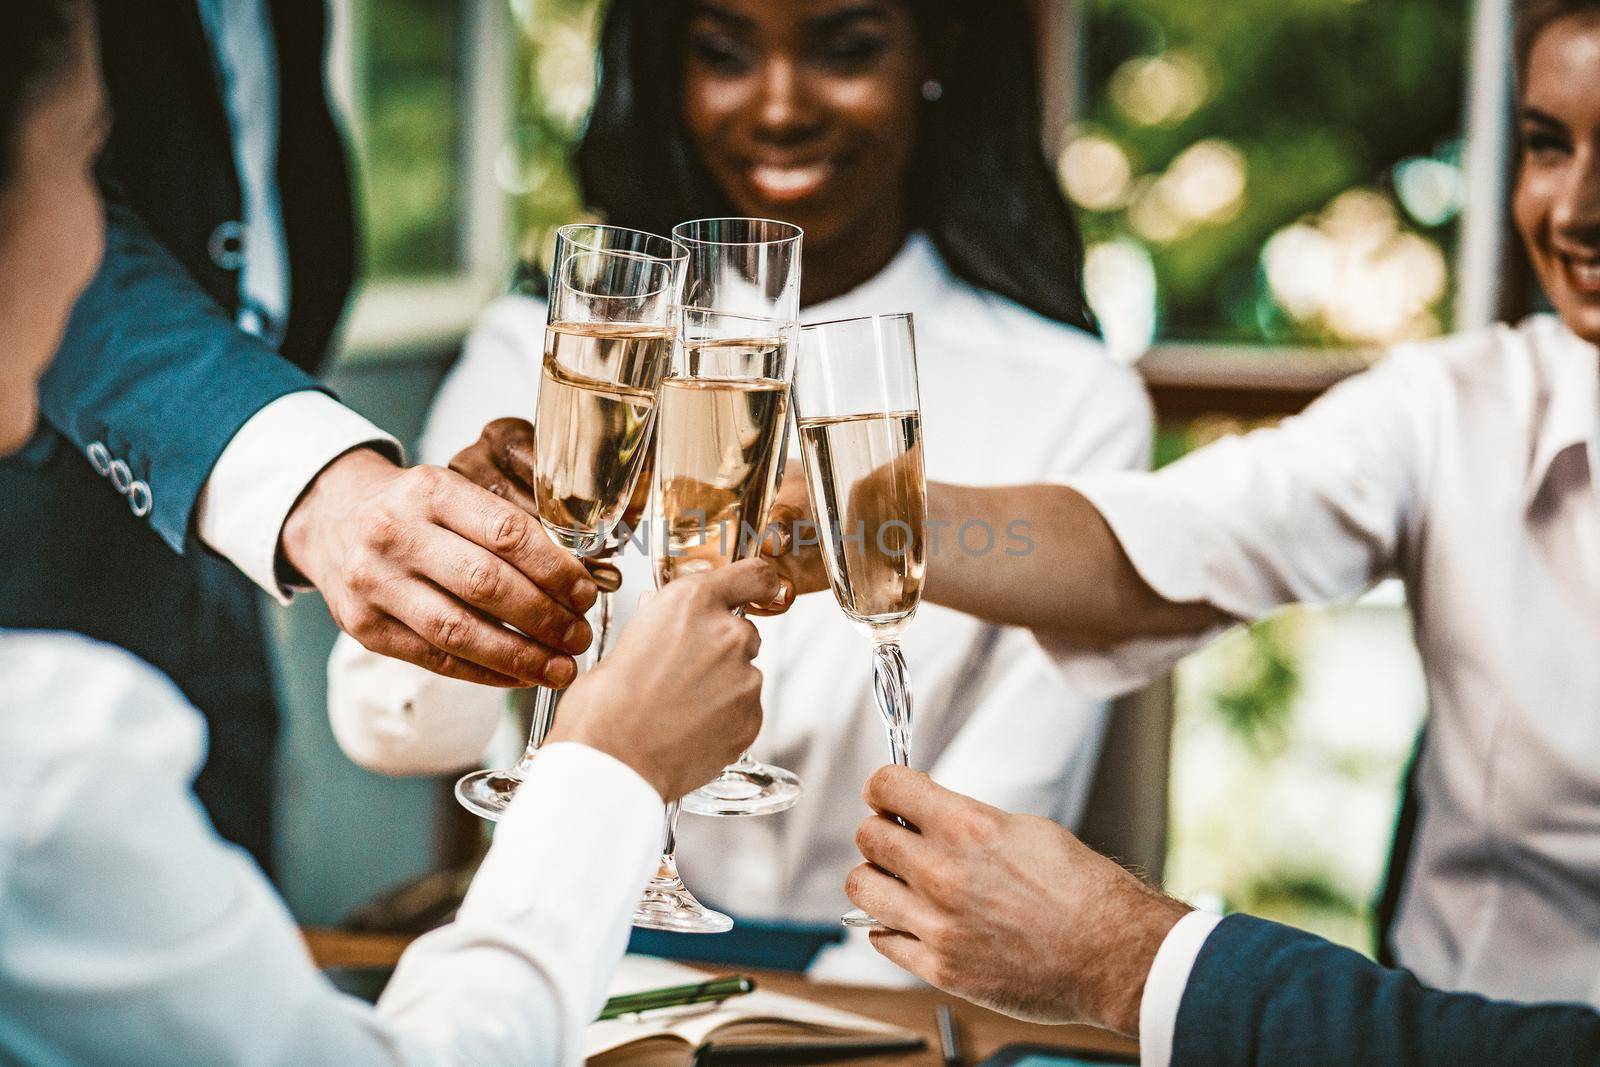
(756, 1020)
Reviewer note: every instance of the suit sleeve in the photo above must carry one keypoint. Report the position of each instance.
(156, 371)
(1262, 993)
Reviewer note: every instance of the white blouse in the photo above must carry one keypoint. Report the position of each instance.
(1467, 466)
(131, 933)
(1007, 397)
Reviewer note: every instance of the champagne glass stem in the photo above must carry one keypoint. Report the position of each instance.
(544, 715)
(892, 688)
(667, 903)
(891, 684)
(602, 637)
(669, 842)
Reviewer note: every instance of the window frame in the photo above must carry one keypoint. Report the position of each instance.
(405, 319)
(1190, 378)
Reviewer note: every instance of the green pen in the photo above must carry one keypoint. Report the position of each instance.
(678, 996)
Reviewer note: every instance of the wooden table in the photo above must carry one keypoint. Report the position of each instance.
(981, 1031)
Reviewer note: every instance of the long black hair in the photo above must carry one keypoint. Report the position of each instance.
(36, 52)
(982, 189)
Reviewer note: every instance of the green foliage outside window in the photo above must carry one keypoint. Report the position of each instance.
(1270, 170)
(409, 80)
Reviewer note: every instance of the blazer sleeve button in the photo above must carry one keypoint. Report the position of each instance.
(227, 245)
(121, 476)
(139, 499)
(99, 458)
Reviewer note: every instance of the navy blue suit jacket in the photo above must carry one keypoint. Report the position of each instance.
(154, 371)
(1262, 993)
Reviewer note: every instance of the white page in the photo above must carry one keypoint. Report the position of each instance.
(695, 1022)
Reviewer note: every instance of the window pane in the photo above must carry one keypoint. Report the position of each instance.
(555, 82)
(1262, 171)
(409, 73)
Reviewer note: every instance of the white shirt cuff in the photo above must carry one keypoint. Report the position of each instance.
(545, 848)
(1158, 534)
(547, 918)
(394, 717)
(262, 473)
(1164, 986)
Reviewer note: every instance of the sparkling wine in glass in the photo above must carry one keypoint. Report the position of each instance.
(741, 273)
(856, 405)
(613, 298)
(720, 419)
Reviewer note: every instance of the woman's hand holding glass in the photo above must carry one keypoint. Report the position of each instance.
(691, 653)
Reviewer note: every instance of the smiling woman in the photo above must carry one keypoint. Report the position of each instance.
(858, 120)
(1557, 197)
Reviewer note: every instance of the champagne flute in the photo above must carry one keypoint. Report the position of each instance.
(617, 541)
(741, 273)
(856, 404)
(613, 295)
(720, 434)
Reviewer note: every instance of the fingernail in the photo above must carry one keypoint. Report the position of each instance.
(780, 599)
(559, 672)
(584, 592)
(578, 636)
(607, 577)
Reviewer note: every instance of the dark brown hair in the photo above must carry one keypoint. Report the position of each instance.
(1533, 17)
(37, 42)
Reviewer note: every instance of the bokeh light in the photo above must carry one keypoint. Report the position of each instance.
(1206, 182)
(1429, 189)
(1160, 90)
(566, 72)
(1355, 274)
(1119, 279)
(1095, 172)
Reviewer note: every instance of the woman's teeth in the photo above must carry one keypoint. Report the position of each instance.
(792, 182)
(1585, 272)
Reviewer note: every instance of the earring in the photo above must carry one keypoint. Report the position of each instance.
(932, 90)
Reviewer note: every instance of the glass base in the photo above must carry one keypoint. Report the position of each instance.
(668, 905)
(745, 788)
(857, 917)
(487, 793)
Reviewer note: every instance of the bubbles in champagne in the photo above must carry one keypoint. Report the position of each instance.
(592, 435)
(717, 456)
(865, 477)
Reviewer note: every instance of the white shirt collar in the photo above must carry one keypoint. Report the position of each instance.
(914, 280)
(1572, 413)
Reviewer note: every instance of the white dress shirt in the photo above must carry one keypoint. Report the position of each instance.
(1467, 467)
(246, 57)
(275, 455)
(131, 933)
(1007, 396)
